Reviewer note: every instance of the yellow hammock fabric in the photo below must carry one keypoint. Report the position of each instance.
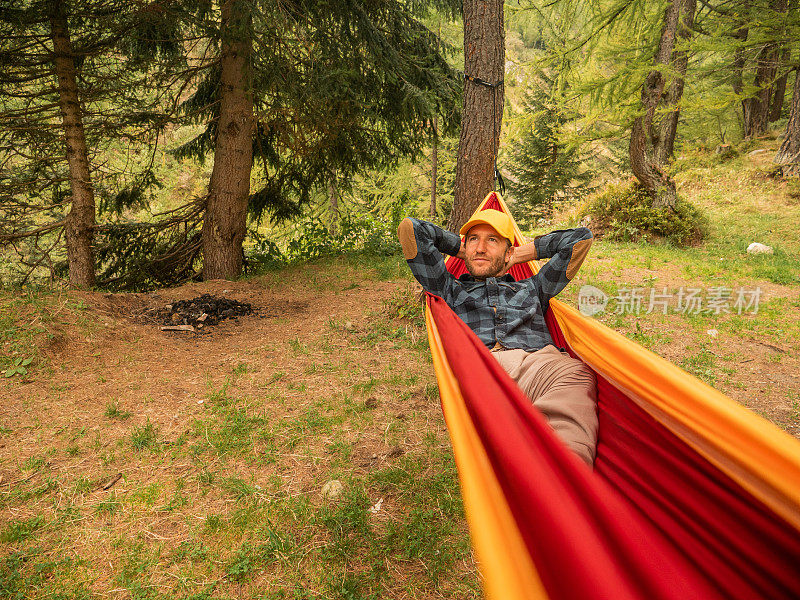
(692, 494)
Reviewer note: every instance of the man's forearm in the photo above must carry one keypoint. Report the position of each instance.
(525, 253)
(423, 244)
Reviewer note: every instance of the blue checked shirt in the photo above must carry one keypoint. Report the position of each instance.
(501, 311)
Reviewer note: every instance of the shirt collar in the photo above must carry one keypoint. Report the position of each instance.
(507, 278)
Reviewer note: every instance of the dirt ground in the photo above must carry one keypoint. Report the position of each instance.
(116, 354)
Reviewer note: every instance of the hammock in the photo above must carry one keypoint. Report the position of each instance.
(692, 495)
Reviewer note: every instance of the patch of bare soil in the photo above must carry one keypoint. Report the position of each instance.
(114, 351)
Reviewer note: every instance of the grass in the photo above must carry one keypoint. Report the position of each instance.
(144, 437)
(113, 412)
(263, 538)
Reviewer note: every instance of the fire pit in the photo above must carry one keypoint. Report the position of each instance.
(200, 312)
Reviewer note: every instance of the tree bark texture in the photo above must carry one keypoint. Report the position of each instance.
(779, 89)
(484, 58)
(333, 199)
(788, 155)
(674, 91)
(225, 222)
(434, 167)
(756, 109)
(653, 133)
(80, 222)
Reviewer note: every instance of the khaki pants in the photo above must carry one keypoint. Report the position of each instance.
(563, 389)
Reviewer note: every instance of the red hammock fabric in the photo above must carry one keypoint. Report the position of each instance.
(654, 520)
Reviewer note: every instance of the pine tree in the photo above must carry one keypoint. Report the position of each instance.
(545, 169)
(55, 126)
(329, 87)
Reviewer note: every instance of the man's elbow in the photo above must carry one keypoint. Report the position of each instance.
(408, 238)
(579, 252)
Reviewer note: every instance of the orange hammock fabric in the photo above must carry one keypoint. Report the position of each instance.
(692, 495)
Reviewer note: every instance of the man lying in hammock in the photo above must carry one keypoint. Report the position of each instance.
(508, 315)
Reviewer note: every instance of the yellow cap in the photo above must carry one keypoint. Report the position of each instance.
(500, 221)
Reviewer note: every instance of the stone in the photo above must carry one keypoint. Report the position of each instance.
(332, 489)
(758, 248)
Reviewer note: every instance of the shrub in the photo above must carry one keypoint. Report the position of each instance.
(313, 239)
(624, 212)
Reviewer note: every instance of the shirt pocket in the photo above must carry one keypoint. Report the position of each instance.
(521, 298)
(466, 300)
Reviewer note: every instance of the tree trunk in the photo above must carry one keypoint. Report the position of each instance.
(740, 34)
(333, 199)
(737, 82)
(484, 58)
(788, 155)
(663, 152)
(652, 138)
(80, 222)
(225, 222)
(779, 89)
(434, 168)
(757, 108)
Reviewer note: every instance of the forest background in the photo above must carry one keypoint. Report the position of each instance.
(204, 139)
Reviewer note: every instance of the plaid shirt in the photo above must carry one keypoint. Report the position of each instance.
(499, 310)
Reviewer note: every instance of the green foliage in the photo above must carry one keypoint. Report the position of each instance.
(19, 366)
(338, 89)
(313, 239)
(124, 60)
(625, 212)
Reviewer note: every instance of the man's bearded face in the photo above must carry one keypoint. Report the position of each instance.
(487, 252)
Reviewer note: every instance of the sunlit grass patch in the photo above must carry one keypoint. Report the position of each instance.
(113, 411)
(144, 437)
(19, 531)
